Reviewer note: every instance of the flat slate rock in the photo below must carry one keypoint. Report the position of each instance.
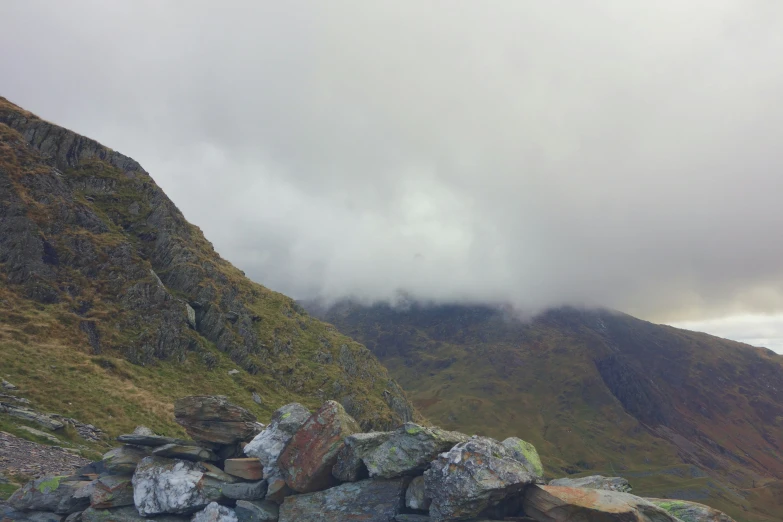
(248, 469)
(259, 511)
(123, 460)
(215, 419)
(562, 504)
(148, 440)
(186, 452)
(245, 490)
(367, 500)
(690, 511)
(595, 482)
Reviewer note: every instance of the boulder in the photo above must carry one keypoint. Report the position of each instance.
(690, 511)
(259, 511)
(181, 451)
(408, 450)
(172, 486)
(474, 475)
(562, 504)
(367, 500)
(245, 490)
(307, 460)
(214, 419)
(50, 493)
(525, 453)
(407, 517)
(123, 460)
(267, 445)
(595, 482)
(123, 514)
(249, 469)
(416, 495)
(349, 466)
(110, 491)
(214, 512)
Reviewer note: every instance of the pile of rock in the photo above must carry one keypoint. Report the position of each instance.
(320, 467)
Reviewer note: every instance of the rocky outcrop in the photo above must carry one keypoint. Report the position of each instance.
(473, 476)
(308, 458)
(561, 504)
(87, 229)
(595, 482)
(214, 419)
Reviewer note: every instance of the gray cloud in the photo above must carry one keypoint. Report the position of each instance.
(622, 153)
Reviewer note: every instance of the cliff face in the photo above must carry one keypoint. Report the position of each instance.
(96, 259)
(681, 414)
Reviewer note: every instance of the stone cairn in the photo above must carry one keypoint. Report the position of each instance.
(312, 467)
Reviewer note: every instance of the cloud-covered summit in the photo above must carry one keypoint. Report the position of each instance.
(618, 153)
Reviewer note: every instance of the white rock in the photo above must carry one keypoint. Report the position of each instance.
(168, 486)
(214, 512)
(267, 445)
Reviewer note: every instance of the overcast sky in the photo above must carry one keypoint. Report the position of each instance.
(624, 153)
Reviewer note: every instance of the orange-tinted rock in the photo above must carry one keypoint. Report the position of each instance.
(307, 460)
(249, 468)
(561, 504)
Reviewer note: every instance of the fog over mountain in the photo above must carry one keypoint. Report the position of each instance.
(616, 153)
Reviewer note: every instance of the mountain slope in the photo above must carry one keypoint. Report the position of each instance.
(681, 414)
(112, 304)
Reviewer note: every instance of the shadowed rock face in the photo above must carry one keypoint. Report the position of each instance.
(368, 500)
(86, 231)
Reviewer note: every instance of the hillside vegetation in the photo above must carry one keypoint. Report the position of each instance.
(680, 414)
(112, 304)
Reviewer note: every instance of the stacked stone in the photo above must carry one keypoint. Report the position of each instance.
(319, 467)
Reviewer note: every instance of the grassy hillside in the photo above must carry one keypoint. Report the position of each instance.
(112, 304)
(681, 414)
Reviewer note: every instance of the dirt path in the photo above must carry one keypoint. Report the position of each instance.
(29, 459)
